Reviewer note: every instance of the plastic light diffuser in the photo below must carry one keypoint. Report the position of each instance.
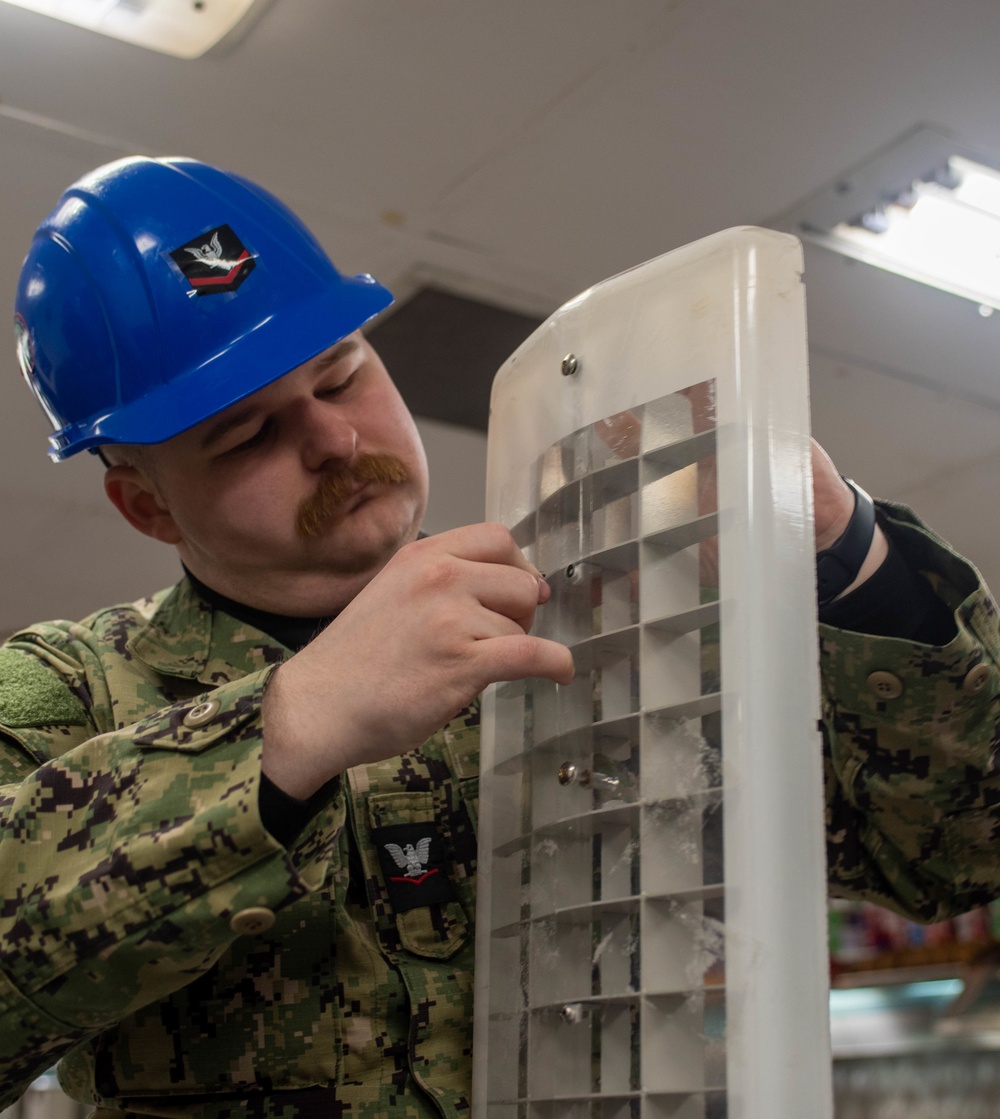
(183, 28)
(651, 915)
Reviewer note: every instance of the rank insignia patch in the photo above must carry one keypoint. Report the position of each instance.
(216, 261)
(414, 865)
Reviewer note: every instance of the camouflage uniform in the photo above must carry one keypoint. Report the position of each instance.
(178, 958)
(139, 886)
(912, 734)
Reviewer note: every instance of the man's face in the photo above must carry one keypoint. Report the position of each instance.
(292, 499)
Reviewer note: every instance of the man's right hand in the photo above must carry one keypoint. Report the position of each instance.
(445, 617)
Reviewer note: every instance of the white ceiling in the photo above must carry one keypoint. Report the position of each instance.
(523, 150)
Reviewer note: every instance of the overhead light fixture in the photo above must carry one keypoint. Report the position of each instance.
(183, 28)
(922, 208)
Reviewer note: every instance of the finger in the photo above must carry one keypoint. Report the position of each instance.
(520, 657)
(507, 590)
(482, 543)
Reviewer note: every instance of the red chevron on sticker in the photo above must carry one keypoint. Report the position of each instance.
(416, 881)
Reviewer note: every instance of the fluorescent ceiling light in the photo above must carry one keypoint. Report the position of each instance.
(183, 28)
(947, 236)
(918, 209)
(855, 1000)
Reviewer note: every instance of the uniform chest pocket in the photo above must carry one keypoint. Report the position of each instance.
(415, 871)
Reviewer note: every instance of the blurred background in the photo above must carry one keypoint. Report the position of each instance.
(488, 162)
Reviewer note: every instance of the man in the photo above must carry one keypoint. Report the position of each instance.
(201, 791)
(205, 807)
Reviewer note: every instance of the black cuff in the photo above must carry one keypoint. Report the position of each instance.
(284, 816)
(897, 601)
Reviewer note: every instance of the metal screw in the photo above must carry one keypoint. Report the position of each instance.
(569, 774)
(574, 573)
(570, 364)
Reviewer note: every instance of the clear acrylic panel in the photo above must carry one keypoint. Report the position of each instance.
(631, 819)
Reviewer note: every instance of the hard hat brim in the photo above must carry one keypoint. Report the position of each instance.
(257, 358)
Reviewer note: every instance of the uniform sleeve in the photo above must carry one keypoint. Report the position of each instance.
(911, 739)
(128, 860)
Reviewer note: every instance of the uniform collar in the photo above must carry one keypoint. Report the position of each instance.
(286, 630)
(187, 637)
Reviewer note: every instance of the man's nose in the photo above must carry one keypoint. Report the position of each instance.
(327, 435)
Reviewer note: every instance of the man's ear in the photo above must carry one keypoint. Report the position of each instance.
(137, 498)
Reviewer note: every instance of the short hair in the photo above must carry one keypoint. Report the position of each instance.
(127, 454)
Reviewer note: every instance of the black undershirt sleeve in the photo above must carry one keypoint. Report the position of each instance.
(897, 601)
(284, 816)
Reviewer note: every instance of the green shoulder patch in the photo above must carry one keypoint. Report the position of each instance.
(32, 695)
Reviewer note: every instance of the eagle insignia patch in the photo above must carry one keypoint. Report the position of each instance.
(414, 865)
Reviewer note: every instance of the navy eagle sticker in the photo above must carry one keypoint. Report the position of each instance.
(415, 866)
(217, 261)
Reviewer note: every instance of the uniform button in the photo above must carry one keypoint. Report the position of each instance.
(976, 679)
(885, 685)
(202, 713)
(250, 921)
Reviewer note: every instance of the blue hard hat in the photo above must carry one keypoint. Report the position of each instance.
(160, 291)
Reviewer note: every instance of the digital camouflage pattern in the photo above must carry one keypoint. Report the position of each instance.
(913, 781)
(130, 839)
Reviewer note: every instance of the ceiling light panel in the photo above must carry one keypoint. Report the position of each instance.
(922, 209)
(183, 28)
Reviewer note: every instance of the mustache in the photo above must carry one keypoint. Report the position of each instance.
(317, 511)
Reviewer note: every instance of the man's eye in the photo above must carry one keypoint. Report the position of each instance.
(254, 440)
(336, 390)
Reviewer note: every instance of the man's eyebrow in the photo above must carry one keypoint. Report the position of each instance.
(227, 423)
(341, 350)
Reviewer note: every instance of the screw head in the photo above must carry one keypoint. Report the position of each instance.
(570, 774)
(574, 574)
(570, 364)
